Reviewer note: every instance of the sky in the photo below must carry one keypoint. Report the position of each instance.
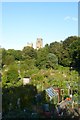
(24, 22)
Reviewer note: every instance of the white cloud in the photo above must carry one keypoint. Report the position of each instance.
(68, 18)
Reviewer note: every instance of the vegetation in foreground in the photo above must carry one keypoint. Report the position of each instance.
(56, 64)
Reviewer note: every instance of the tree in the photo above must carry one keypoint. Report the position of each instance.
(75, 53)
(66, 58)
(10, 55)
(68, 41)
(28, 53)
(57, 49)
(18, 55)
(4, 53)
(26, 66)
(51, 61)
(41, 57)
(12, 75)
(9, 59)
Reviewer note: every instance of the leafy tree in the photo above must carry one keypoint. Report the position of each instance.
(68, 41)
(41, 57)
(12, 75)
(66, 58)
(4, 53)
(18, 55)
(9, 56)
(51, 61)
(26, 66)
(75, 53)
(28, 52)
(10, 52)
(9, 59)
(57, 49)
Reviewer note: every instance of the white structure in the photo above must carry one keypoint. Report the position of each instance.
(30, 44)
(39, 43)
(26, 80)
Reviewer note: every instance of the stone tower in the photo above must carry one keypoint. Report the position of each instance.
(30, 44)
(39, 43)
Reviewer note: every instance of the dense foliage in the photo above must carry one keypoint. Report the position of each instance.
(67, 52)
(57, 64)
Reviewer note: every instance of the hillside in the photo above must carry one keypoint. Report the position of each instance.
(56, 65)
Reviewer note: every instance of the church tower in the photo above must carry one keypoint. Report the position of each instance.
(39, 43)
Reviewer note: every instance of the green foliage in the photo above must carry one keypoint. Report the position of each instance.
(18, 55)
(10, 55)
(4, 53)
(71, 50)
(11, 95)
(28, 52)
(11, 75)
(48, 66)
(75, 53)
(41, 57)
(51, 61)
(26, 66)
(57, 49)
(68, 41)
(9, 59)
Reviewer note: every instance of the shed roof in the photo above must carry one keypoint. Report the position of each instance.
(51, 92)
